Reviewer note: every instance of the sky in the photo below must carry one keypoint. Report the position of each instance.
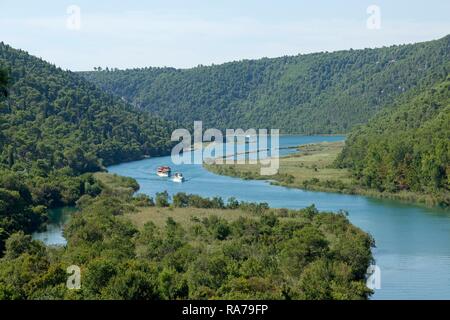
(80, 34)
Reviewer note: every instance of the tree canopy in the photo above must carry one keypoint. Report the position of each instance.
(3, 82)
(307, 94)
(56, 128)
(406, 146)
(265, 254)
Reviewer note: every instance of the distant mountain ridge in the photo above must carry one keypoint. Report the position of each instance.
(313, 93)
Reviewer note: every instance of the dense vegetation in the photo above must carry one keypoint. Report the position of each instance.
(314, 93)
(55, 127)
(3, 83)
(265, 254)
(406, 147)
(50, 114)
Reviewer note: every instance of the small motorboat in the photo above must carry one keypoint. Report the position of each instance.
(163, 171)
(178, 177)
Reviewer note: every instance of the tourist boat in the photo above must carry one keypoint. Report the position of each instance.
(163, 171)
(178, 177)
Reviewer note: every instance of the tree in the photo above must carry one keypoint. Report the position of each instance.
(3, 83)
(134, 283)
(307, 245)
(97, 276)
(162, 199)
(327, 280)
(180, 200)
(19, 243)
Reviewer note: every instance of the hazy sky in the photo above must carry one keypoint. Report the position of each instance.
(185, 33)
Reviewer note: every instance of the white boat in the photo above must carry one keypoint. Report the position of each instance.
(178, 177)
(163, 172)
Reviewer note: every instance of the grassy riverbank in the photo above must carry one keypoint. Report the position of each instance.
(184, 216)
(312, 169)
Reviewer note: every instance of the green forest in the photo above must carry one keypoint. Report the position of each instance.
(265, 254)
(55, 128)
(405, 147)
(59, 130)
(305, 94)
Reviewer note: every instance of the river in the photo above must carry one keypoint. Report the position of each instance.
(57, 218)
(412, 242)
